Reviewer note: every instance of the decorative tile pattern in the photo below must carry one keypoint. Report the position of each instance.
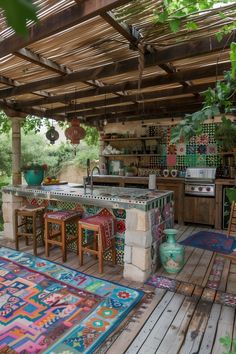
(46, 307)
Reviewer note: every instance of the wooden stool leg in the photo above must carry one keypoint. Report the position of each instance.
(26, 225)
(80, 245)
(100, 252)
(16, 230)
(46, 237)
(63, 241)
(34, 234)
(113, 251)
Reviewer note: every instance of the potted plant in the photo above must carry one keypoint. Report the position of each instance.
(34, 173)
(225, 134)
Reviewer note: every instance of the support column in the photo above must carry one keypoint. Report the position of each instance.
(16, 150)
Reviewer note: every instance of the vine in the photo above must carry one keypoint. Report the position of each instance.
(216, 101)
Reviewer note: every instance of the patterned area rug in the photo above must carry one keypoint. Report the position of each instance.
(49, 308)
(211, 241)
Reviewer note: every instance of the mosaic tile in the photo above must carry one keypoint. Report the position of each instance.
(181, 149)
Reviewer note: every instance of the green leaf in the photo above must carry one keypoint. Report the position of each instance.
(191, 26)
(219, 36)
(162, 16)
(175, 25)
(17, 13)
(233, 58)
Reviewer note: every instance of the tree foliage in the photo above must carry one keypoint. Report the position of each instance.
(217, 101)
(176, 13)
(17, 13)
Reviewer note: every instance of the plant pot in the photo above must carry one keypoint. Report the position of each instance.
(34, 177)
(171, 253)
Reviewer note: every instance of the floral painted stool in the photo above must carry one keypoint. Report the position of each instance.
(29, 224)
(103, 228)
(56, 224)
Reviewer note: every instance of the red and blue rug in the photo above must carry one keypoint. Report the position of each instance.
(211, 241)
(49, 308)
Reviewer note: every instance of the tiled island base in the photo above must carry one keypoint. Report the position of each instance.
(140, 222)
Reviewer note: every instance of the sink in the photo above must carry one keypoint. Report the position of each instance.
(77, 186)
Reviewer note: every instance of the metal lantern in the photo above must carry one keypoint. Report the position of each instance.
(75, 132)
(52, 135)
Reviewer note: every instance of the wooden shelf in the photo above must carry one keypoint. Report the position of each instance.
(228, 153)
(129, 155)
(137, 138)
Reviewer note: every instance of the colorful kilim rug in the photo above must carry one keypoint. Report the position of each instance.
(211, 241)
(49, 308)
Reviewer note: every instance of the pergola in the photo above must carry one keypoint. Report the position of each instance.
(106, 59)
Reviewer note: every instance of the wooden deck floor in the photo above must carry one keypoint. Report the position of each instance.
(186, 321)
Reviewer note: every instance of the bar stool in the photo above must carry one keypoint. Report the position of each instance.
(103, 228)
(56, 224)
(29, 224)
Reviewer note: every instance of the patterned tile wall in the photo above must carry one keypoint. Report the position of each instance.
(201, 150)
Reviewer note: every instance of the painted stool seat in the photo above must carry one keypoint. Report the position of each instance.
(29, 224)
(56, 224)
(102, 240)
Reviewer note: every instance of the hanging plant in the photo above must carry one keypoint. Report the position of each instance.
(217, 101)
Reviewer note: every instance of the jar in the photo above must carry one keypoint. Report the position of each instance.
(171, 252)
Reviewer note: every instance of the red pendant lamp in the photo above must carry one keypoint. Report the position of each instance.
(75, 132)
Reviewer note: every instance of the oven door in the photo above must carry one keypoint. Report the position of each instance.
(199, 209)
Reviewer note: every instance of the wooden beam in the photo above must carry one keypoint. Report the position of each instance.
(130, 98)
(157, 80)
(169, 54)
(131, 34)
(67, 18)
(38, 59)
(162, 105)
(134, 116)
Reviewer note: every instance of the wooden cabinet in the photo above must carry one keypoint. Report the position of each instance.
(199, 210)
(178, 189)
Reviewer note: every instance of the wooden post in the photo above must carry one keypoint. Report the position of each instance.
(16, 150)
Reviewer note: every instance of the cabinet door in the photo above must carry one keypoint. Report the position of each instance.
(175, 189)
(199, 210)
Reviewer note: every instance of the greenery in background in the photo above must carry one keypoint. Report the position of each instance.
(217, 101)
(228, 344)
(17, 13)
(178, 13)
(55, 156)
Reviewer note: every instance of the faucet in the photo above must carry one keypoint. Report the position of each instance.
(88, 181)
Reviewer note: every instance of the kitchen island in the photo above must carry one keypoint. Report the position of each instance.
(141, 215)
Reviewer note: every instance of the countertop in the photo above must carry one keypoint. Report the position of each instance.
(115, 197)
(136, 178)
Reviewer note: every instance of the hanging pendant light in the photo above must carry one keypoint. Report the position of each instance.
(75, 132)
(52, 135)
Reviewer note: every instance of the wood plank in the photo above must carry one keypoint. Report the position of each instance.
(190, 265)
(224, 276)
(225, 327)
(129, 85)
(176, 332)
(207, 274)
(132, 97)
(208, 295)
(196, 328)
(56, 23)
(162, 325)
(231, 285)
(209, 335)
(149, 325)
(180, 51)
(199, 272)
(133, 328)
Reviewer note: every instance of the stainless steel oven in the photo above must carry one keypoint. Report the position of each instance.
(200, 181)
